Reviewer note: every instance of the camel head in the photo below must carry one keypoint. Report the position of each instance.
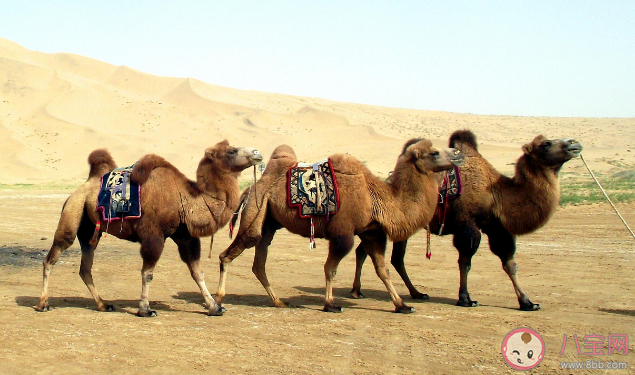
(552, 152)
(428, 159)
(232, 159)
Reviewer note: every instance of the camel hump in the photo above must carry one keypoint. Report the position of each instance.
(283, 151)
(463, 137)
(101, 162)
(142, 169)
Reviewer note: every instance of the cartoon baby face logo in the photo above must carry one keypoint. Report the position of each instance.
(523, 349)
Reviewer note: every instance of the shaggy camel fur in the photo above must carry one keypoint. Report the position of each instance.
(172, 206)
(369, 208)
(499, 206)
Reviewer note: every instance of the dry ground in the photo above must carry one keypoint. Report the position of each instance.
(580, 268)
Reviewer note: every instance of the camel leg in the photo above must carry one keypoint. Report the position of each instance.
(84, 235)
(190, 252)
(64, 237)
(503, 244)
(86, 275)
(234, 250)
(375, 245)
(466, 240)
(397, 260)
(338, 248)
(260, 260)
(249, 235)
(151, 249)
(360, 258)
(49, 262)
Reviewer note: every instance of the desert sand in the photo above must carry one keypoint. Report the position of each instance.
(56, 108)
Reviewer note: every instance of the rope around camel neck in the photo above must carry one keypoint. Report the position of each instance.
(240, 209)
(242, 206)
(606, 195)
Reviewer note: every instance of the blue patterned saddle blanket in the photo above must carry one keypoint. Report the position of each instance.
(119, 198)
(313, 189)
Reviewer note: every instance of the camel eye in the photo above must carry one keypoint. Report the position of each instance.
(546, 144)
(434, 154)
(530, 354)
(233, 152)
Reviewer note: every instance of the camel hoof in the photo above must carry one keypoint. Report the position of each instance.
(218, 311)
(106, 308)
(468, 303)
(357, 294)
(44, 308)
(405, 309)
(218, 299)
(333, 309)
(280, 304)
(147, 313)
(530, 307)
(421, 296)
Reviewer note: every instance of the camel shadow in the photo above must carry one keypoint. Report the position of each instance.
(343, 297)
(234, 299)
(315, 301)
(441, 300)
(262, 300)
(382, 295)
(378, 295)
(121, 305)
(618, 311)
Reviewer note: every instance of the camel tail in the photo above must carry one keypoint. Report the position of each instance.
(465, 137)
(101, 162)
(141, 172)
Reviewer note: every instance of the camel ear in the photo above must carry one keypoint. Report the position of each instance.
(210, 153)
(528, 148)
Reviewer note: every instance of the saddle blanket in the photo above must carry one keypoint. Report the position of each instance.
(313, 189)
(119, 198)
(450, 188)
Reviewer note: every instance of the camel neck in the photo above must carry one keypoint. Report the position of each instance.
(409, 204)
(529, 173)
(530, 198)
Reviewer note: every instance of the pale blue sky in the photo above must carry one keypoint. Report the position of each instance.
(538, 58)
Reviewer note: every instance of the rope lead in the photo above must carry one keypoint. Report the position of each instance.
(607, 197)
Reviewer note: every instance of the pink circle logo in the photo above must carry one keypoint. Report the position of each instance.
(523, 349)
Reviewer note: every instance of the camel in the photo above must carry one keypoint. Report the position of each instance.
(501, 207)
(172, 206)
(369, 208)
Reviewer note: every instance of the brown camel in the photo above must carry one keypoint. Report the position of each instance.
(172, 206)
(499, 206)
(369, 208)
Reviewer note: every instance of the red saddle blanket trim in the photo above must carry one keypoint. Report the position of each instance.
(451, 187)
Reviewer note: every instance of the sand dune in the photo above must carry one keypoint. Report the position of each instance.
(56, 108)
